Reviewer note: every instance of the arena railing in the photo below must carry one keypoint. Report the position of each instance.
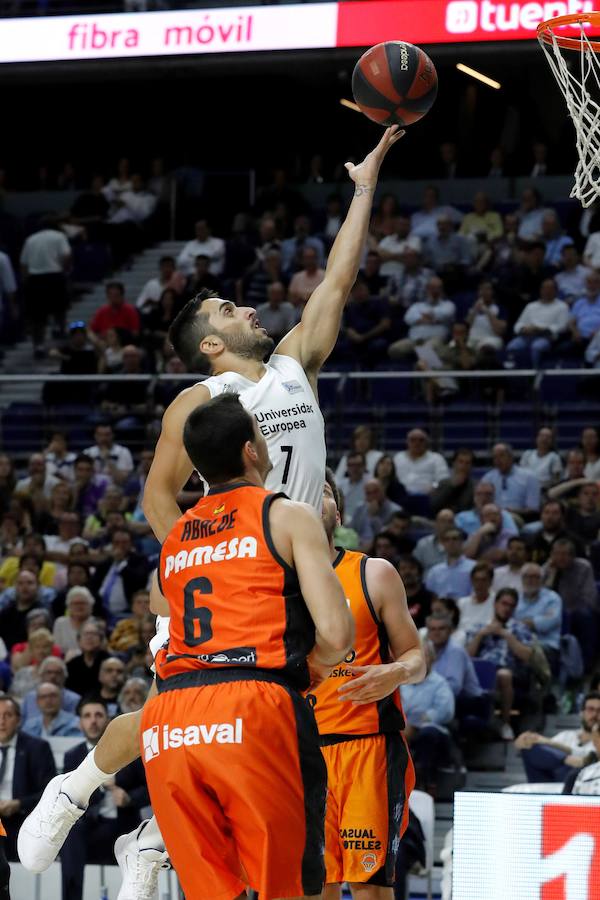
(506, 404)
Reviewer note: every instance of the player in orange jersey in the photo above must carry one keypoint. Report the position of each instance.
(230, 746)
(359, 716)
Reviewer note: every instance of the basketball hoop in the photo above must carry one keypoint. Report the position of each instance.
(575, 64)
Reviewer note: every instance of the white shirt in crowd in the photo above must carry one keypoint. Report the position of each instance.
(423, 223)
(443, 313)
(572, 739)
(505, 577)
(55, 544)
(214, 248)
(591, 253)
(547, 468)
(472, 614)
(481, 332)
(136, 206)
(553, 317)
(61, 468)
(118, 455)
(277, 319)
(421, 475)
(6, 785)
(45, 252)
(592, 351)
(372, 457)
(23, 485)
(394, 244)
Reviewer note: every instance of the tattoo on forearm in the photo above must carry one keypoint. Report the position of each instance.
(362, 189)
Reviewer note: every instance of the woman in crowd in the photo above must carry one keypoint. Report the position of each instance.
(385, 473)
(78, 606)
(590, 444)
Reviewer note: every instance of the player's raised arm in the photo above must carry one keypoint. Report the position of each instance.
(408, 662)
(171, 466)
(320, 586)
(313, 339)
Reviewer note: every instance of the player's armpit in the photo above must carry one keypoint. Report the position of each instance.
(171, 466)
(389, 599)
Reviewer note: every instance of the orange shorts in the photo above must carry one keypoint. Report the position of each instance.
(238, 785)
(369, 783)
(2, 831)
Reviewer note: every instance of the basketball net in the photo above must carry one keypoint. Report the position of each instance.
(575, 65)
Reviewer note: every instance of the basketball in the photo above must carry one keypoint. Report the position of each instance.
(394, 83)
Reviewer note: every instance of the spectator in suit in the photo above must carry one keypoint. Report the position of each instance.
(54, 671)
(51, 720)
(117, 579)
(112, 810)
(82, 670)
(26, 766)
(573, 579)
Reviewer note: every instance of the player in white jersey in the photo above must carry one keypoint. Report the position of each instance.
(282, 394)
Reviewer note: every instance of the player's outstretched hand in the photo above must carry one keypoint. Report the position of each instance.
(365, 174)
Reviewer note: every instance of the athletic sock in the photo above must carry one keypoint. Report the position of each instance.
(149, 837)
(87, 778)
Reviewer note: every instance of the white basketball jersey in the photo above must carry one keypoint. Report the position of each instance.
(289, 417)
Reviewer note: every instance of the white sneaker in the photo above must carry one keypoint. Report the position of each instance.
(45, 829)
(506, 732)
(139, 868)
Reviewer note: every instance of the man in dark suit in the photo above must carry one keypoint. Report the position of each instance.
(26, 767)
(113, 810)
(117, 579)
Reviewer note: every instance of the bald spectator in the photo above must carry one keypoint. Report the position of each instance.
(477, 607)
(451, 578)
(53, 670)
(116, 312)
(490, 540)
(419, 468)
(573, 579)
(306, 281)
(51, 720)
(374, 514)
(470, 520)
(430, 550)
(426, 319)
(541, 610)
(516, 489)
(203, 244)
(277, 315)
(509, 576)
(539, 325)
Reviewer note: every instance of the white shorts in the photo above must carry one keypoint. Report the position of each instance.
(162, 634)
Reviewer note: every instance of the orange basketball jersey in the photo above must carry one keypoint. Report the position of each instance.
(371, 648)
(235, 603)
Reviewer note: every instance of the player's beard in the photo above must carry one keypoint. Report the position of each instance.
(253, 345)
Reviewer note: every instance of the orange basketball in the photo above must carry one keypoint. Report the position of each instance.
(395, 83)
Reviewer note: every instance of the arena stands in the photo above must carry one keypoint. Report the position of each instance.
(442, 442)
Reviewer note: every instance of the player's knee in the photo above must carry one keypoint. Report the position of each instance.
(504, 676)
(362, 891)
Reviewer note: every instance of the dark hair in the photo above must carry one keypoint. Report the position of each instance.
(214, 436)
(165, 259)
(463, 451)
(83, 457)
(330, 479)
(553, 503)
(482, 567)
(189, 327)
(591, 695)
(117, 285)
(91, 698)
(568, 543)
(4, 698)
(101, 425)
(388, 536)
(507, 590)
(28, 558)
(517, 538)
(595, 681)
(354, 453)
(452, 608)
(411, 561)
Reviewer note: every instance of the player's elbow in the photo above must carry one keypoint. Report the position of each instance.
(338, 632)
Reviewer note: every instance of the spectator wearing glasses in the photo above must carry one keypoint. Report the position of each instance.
(451, 578)
(540, 609)
(507, 643)
(516, 489)
(51, 720)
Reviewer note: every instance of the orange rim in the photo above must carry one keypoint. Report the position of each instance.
(545, 30)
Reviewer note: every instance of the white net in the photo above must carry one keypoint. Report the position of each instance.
(577, 72)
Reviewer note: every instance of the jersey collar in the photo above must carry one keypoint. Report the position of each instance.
(225, 488)
(339, 557)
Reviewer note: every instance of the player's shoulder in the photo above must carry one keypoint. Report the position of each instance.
(380, 571)
(186, 401)
(291, 513)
